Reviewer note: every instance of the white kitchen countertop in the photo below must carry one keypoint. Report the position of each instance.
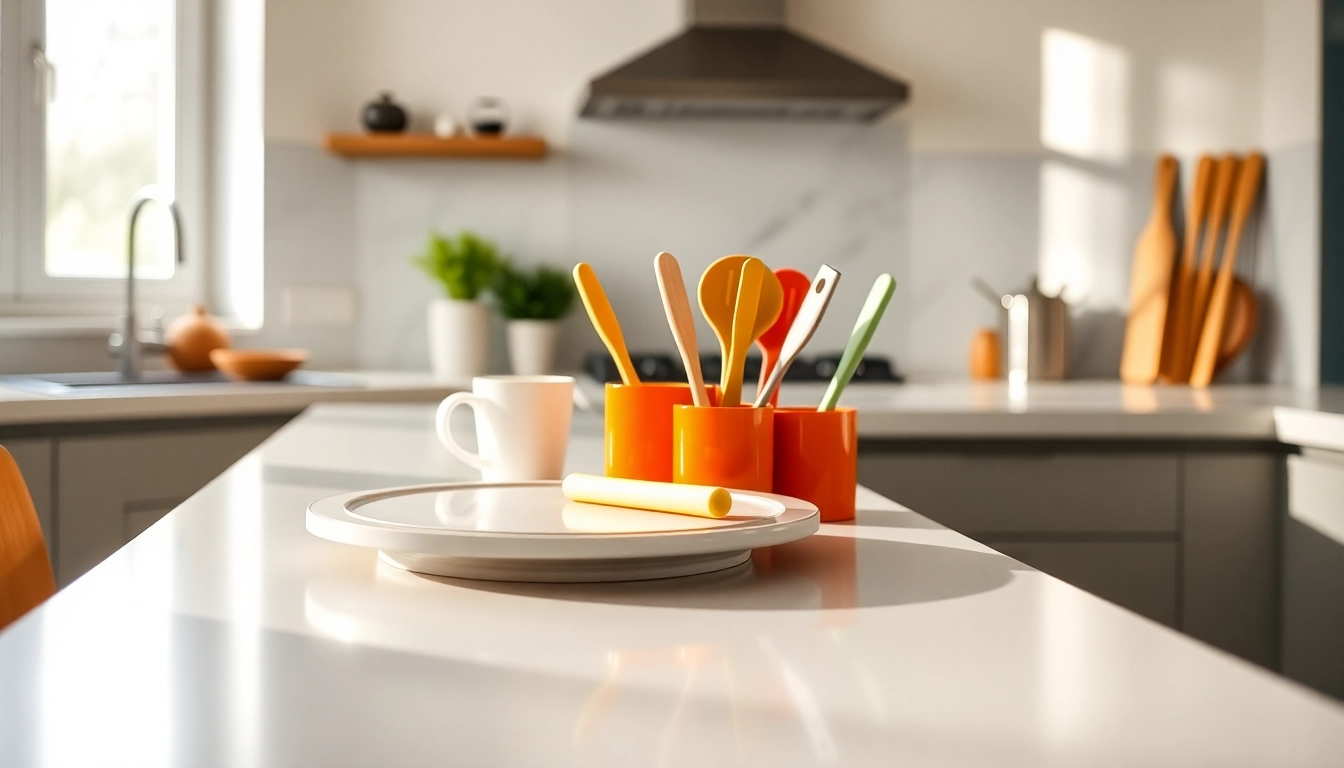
(147, 401)
(228, 635)
(1091, 410)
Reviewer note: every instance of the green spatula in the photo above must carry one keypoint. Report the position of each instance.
(869, 316)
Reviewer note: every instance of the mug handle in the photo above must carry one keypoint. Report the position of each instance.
(446, 436)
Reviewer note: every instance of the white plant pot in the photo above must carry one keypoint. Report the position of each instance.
(532, 346)
(459, 339)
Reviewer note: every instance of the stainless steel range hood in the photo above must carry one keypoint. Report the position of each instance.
(737, 60)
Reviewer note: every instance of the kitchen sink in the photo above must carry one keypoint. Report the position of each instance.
(104, 382)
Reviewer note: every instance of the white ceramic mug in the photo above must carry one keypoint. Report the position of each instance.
(522, 426)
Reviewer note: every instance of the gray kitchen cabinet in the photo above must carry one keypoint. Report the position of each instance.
(111, 487)
(1185, 534)
(1229, 573)
(34, 457)
(1312, 647)
(1033, 492)
(1138, 575)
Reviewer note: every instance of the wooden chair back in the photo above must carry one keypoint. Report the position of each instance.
(25, 572)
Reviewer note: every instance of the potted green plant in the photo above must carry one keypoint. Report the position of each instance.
(532, 303)
(459, 323)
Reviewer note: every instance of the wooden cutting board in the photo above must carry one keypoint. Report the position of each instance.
(1150, 283)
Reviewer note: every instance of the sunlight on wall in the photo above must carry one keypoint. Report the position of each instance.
(1084, 96)
(1082, 236)
(1189, 96)
(1085, 116)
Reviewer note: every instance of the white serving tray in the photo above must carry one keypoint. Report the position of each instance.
(528, 531)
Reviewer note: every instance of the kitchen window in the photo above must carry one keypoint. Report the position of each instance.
(98, 98)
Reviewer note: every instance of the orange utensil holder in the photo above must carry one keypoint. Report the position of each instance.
(728, 447)
(816, 458)
(638, 434)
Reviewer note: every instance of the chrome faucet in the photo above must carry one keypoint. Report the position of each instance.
(126, 344)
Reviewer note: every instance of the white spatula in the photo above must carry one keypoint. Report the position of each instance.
(804, 325)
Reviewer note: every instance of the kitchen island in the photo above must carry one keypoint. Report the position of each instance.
(228, 635)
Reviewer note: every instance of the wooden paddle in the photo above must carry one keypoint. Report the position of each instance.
(1176, 339)
(1224, 177)
(1150, 283)
(1211, 336)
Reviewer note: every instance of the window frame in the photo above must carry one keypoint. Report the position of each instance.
(25, 288)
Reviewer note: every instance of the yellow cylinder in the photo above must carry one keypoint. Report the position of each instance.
(677, 498)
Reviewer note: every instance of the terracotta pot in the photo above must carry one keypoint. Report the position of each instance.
(192, 337)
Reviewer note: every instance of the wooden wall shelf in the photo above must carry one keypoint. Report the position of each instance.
(429, 146)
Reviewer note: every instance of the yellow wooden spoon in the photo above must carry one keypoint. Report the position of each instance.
(604, 322)
(718, 300)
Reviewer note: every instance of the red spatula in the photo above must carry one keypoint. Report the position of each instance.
(795, 285)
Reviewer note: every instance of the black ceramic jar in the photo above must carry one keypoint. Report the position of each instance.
(384, 115)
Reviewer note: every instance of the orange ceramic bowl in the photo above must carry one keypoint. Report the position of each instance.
(638, 434)
(817, 458)
(258, 364)
(728, 447)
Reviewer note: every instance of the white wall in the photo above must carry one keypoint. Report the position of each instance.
(999, 166)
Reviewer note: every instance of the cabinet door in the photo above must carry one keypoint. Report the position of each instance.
(34, 457)
(1138, 575)
(1313, 572)
(1229, 568)
(982, 494)
(113, 487)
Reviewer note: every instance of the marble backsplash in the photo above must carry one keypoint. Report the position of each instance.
(799, 195)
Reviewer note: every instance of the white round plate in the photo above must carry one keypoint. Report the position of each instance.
(529, 531)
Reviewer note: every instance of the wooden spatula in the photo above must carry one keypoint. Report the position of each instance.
(1224, 179)
(679, 318)
(1176, 339)
(1210, 339)
(1150, 283)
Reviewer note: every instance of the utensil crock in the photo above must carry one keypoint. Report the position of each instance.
(729, 447)
(638, 434)
(816, 458)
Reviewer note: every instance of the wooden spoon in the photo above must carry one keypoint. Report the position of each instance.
(718, 298)
(1224, 178)
(1150, 283)
(604, 322)
(1176, 340)
(804, 325)
(678, 308)
(1248, 192)
(795, 286)
(1243, 314)
(744, 331)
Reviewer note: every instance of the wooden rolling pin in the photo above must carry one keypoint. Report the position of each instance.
(677, 498)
